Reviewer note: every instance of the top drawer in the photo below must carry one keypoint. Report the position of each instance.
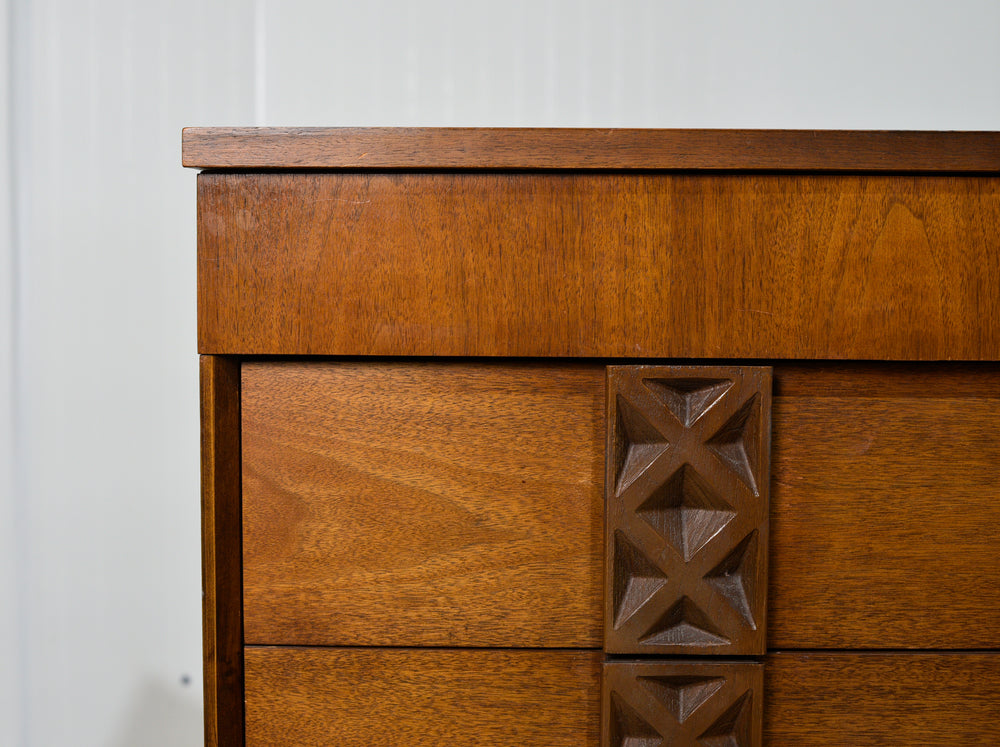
(460, 504)
(600, 265)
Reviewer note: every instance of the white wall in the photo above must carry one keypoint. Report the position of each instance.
(9, 649)
(107, 502)
(99, 569)
(855, 64)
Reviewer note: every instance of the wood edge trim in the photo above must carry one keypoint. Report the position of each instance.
(588, 148)
(222, 593)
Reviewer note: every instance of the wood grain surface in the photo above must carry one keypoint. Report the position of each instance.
(847, 700)
(222, 631)
(420, 698)
(602, 265)
(530, 148)
(416, 698)
(885, 521)
(821, 379)
(385, 505)
(421, 504)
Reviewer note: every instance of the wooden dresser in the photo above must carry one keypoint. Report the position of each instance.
(599, 437)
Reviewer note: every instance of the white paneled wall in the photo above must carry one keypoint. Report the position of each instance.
(878, 64)
(107, 549)
(10, 669)
(99, 551)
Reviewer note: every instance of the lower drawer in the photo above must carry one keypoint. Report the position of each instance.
(423, 697)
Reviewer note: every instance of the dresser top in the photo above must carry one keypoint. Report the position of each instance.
(616, 149)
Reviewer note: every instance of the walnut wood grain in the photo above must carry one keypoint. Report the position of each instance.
(222, 632)
(683, 702)
(686, 495)
(385, 506)
(541, 148)
(846, 700)
(821, 379)
(421, 504)
(419, 698)
(602, 265)
(885, 518)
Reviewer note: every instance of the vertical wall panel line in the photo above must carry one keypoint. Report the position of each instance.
(12, 581)
(260, 62)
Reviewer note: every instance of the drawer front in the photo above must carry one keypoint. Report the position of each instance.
(459, 504)
(423, 504)
(600, 265)
(365, 697)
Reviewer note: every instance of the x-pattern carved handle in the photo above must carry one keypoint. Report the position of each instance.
(686, 554)
(687, 509)
(682, 704)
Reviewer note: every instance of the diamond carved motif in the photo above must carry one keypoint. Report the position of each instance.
(639, 444)
(684, 623)
(735, 577)
(735, 445)
(689, 703)
(688, 399)
(686, 510)
(636, 579)
(682, 694)
(627, 728)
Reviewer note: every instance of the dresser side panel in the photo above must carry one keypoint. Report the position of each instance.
(222, 632)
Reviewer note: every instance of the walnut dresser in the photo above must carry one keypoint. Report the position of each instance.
(630, 438)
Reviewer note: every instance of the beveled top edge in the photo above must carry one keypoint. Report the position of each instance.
(615, 149)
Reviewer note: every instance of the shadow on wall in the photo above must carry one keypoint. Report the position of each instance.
(161, 714)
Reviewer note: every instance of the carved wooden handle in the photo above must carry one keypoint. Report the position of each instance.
(681, 703)
(686, 527)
